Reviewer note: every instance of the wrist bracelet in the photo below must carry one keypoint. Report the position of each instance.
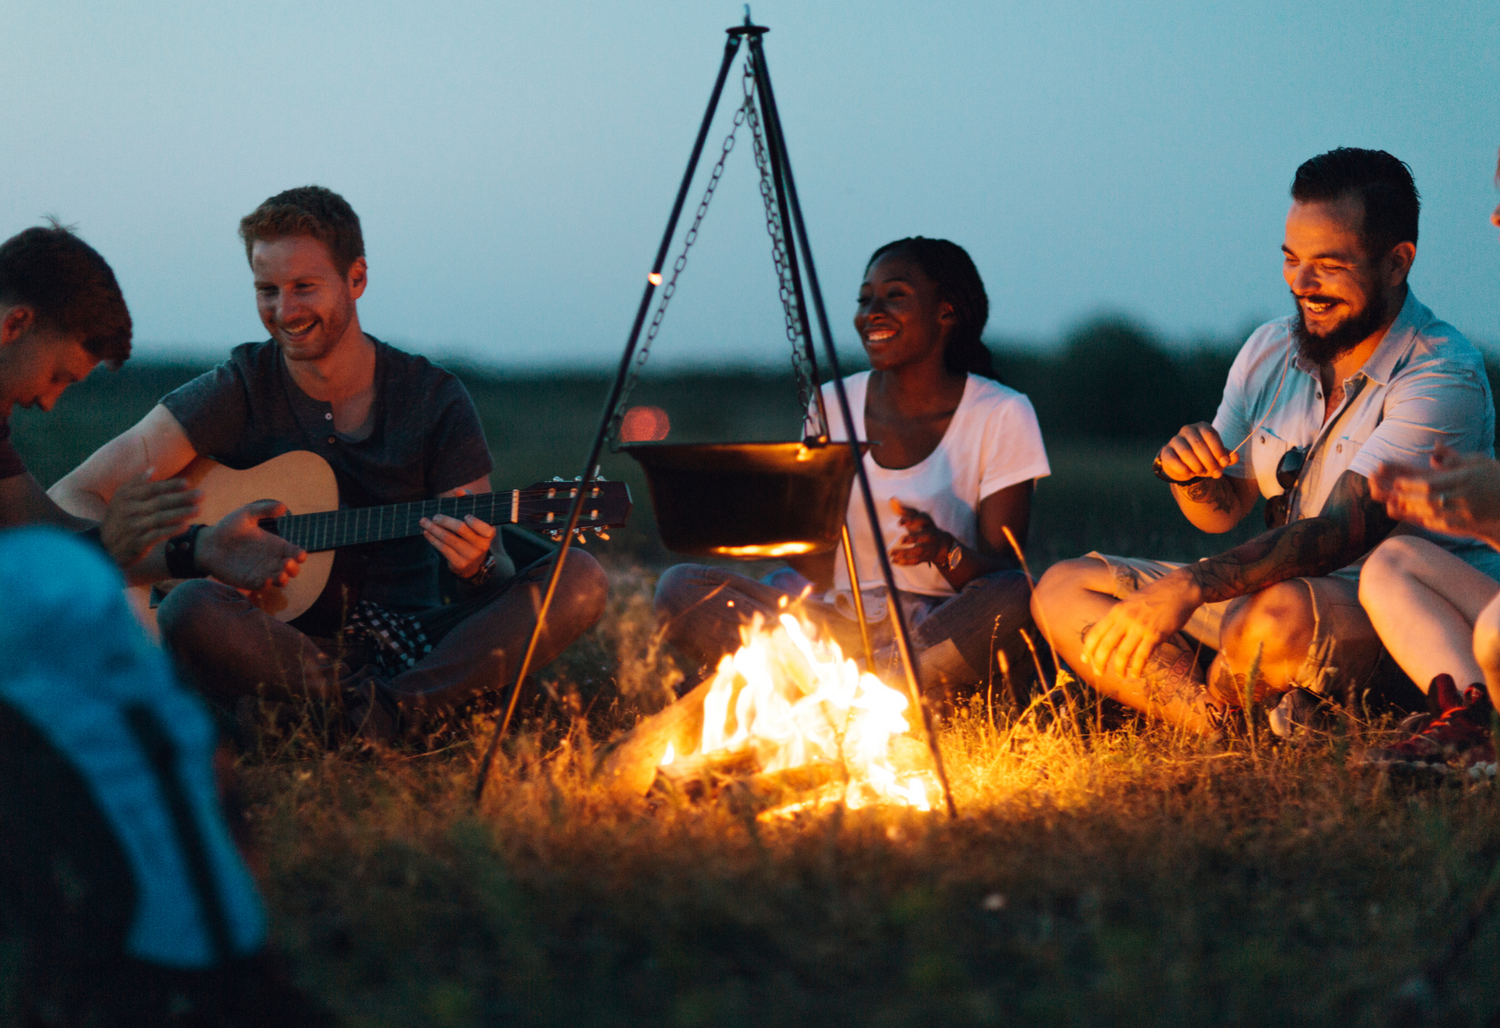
(481, 577)
(181, 553)
(1160, 472)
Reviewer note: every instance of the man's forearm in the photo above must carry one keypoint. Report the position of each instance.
(1218, 494)
(1351, 523)
(1306, 548)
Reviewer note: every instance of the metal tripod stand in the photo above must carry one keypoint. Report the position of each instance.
(790, 211)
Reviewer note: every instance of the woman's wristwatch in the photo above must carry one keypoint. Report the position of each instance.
(954, 556)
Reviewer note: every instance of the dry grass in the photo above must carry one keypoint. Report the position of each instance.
(1122, 876)
(1094, 877)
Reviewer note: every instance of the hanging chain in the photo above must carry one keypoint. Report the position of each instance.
(805, 384)
(671, 287)
(801, 370)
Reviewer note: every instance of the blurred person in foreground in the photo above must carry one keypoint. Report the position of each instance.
(61, 315)
(1363, 374)
(124, 900)
(395, 428)
(954, 462)
(1439, 616)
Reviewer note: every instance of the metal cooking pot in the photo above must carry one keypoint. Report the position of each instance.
(747, 500)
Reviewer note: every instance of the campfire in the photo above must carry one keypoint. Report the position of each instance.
(786, 722)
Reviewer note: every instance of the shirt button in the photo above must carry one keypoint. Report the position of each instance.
(330, 440)
(1339, 448)
(328, 416)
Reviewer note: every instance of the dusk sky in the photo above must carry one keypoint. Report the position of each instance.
(513, 164)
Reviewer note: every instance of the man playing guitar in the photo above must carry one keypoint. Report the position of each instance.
(395, 429)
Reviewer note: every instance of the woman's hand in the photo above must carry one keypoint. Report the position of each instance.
(924, 542)
(1459, 494)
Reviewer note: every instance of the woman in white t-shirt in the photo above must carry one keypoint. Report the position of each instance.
(954, 461)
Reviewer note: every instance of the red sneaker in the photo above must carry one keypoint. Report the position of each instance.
(1458, 736)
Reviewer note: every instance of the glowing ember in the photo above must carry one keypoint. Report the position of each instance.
(794, 700)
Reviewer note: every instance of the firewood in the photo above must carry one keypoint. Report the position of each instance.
(697, 774)
(629, 762)
(772, 789)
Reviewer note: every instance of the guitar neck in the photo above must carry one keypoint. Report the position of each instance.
(329, 530)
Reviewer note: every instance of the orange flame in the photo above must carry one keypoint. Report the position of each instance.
(793, 698)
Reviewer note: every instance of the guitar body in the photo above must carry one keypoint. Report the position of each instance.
(303, 481)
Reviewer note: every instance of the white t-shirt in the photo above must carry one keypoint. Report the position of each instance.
(992, 442)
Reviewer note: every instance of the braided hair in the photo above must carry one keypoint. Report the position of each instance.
(958, 284)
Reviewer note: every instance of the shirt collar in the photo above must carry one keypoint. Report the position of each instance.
(1380, 365)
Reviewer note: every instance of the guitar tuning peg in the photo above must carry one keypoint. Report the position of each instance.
(602, 534)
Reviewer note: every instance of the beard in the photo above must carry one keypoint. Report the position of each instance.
(333, 323)
(1343, 337)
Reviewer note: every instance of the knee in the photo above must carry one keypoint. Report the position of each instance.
(1393, 561)
(1487, 639)
(582, 590)
(683, 585)
(1062, 584)
(1276, 622)
(1006, 594)
(189, 613)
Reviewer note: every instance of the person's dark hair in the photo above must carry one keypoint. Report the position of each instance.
(69, 288)
(958, 282)
(307, 211)
(1383, 184)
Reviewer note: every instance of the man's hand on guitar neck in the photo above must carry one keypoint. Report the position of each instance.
(238, 552)
(464, 544)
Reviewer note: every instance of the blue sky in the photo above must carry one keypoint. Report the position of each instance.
(513, 164)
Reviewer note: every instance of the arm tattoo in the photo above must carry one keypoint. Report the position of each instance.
(1349, 527)
(1216, 491)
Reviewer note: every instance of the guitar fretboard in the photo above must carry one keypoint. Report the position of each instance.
(329, 530)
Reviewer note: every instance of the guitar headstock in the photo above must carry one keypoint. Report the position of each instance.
(544, 506)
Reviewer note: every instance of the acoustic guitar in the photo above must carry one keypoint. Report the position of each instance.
(305, 483)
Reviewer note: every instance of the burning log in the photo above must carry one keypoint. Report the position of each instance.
(700, 773)
(776, 791)
(629, 763)
(784, 720)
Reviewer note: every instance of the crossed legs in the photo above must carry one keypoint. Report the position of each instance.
(229, 648)
(1292, 627)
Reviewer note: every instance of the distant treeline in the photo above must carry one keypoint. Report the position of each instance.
(1112, 377)
(1109, 378)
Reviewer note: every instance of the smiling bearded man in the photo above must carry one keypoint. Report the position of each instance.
(1362, 374)
(395, 429)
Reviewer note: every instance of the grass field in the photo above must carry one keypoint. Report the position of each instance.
(1094, 877)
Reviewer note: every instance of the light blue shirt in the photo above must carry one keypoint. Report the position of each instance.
(1425, 384)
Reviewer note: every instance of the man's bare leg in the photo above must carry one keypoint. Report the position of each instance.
(1297, 629)
(1070, 598)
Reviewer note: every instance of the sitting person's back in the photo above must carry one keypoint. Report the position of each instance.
(119, 878)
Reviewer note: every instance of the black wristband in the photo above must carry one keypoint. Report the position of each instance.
(483, 575)
(181, 552)
(1161, 473)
